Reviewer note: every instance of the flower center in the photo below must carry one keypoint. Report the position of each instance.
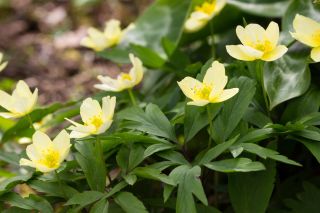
(50, 158)
(203, 92)
(263, 46)
(96, 121)
(207, 7)
(125, 76)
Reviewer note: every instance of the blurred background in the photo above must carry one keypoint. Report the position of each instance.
(40, 39)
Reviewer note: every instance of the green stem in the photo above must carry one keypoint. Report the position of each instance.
(216, 184)
(210, 126)
(213, 49)
(60, 184)
(260, 69)
(30, 122)
(132, 98)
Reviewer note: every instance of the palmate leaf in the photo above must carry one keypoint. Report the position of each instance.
(130, 203)
(235, 165)
(189, 184)
(152, 121)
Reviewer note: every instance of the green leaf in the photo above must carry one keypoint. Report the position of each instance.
(157, 148)
(130, 203)
(8, 184)
(152, 121)
(85, 198)
(214, 152)
(91, 164)
(196, 118)
(101, 206)
(267, 153)
(53, 189)
(10, 157)
(130, 179)
(33, 202)
(163, 19)
(188, 184)
(309, 134)
(264, 9)
(153, 174)
(307, 201)
(276, 75)
(147, 56)
(130, 157)
(233, 109)
(174, 157)
(251, 192)
(19, 129)
(236, 165)
(256, 135)
(312, 146)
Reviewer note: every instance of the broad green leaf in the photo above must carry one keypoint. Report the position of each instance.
(309, 134)
(152, 121)
(251, 192)
(214, 152)
(8, 184)
(153, 174)
(130, 203)
(233, 109)
(235, 165)
(157, 148)
(33, 202)
(121, 185)
(130, 179)
(101, 206)
(85, 198)
(256, 117)
(22, 127)
(303, 105)
(129, 157)
(312, 146)
(256, 135)
(267, 153)
(53, 189)
(173, 156)
(302, 7)
(276, 75)
(10, 157)
(196, 118)
(264, 9)
(91, 164)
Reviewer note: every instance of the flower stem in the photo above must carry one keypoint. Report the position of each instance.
(30, 122)
(260, 69)
(210, 125)
(60, 184)
(132, 98)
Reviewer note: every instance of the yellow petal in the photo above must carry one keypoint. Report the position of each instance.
(5, 100)
(187, 86)
(243, 53)
(61, 143)
(216, 78)
(256, 33)
(272, 34)
(108, 106)
(196, 21)
(89, 108)
(136, 72)
(32, 152)
(108, 84)
(26, 162)
(3, 65)
(315, 54)
(198, 103)
(41, 141)
(22, 90)
(243, 36)
(305, 30)
(276, 53)
(105, 126)
(113, 32)
(226, 94)
(220, 4)
(9, 115)
(76, 134)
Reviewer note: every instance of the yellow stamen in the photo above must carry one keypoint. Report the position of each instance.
(50, 158)
(206, 7)
(264, 46)
(316, 37)
(203, 92)
(125, 76)
(96, 121)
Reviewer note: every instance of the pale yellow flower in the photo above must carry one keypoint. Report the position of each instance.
(307, 31)
(3, 64)
(257, 43)
(20, 103)
(46, 155)
(124, 80)
(203, 14)
(96, 119)
(211, 90)
(111, 36)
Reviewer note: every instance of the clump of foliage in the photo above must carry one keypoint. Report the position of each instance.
(213, 126)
